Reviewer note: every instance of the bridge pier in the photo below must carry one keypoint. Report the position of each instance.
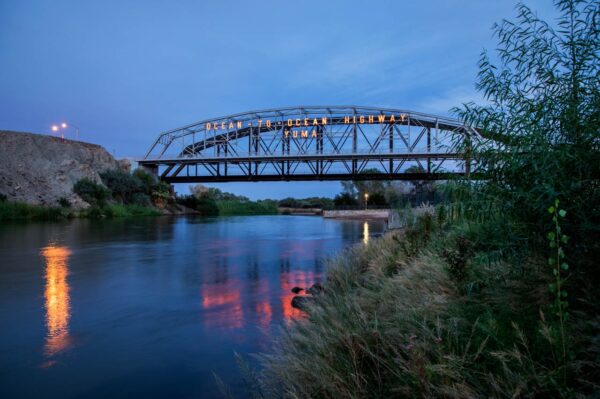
(150, 168)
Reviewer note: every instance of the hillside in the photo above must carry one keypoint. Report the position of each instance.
(41, 169)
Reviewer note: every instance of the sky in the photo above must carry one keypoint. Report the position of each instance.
(123, 71)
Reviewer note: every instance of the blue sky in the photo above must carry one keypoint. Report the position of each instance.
(123, 71)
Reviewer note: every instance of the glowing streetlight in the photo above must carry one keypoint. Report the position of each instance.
(64, 125)
(366, 200)
(55, 129)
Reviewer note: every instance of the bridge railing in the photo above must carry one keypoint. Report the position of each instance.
(439, 150)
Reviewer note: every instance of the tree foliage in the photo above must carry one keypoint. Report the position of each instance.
(91, 192)
(542, 120)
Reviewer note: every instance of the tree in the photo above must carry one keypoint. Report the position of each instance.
(123, 186)
(91, 192)
(542, 120)
(199, 191)
(358, 188)
(345, 200)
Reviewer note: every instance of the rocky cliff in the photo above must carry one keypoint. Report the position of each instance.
(40, 169)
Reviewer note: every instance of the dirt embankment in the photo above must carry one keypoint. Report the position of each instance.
(40, 169)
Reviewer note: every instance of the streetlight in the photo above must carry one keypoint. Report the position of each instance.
(55, 129)
(64, 126)
(366, 200)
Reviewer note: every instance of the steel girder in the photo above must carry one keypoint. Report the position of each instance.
(312, 143)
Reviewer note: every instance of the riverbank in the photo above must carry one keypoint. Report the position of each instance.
(39, 169)
(427, 312)
(18, 211)
(357, 214)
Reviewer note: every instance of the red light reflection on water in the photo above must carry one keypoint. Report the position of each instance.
(289, 280)
(222, 305)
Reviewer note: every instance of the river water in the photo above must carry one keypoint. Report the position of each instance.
(152, 307)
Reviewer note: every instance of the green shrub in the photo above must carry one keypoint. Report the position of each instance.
(122, 185)
(3, 197)
(542, 112)
(141, 199)
(457, 258)
(233, 207)
(207, 207)
(147, 180)
(64, 202)
(91, 192)
(345, 200)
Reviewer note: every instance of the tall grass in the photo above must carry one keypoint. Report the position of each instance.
(395, 322)
(120, 210)
(21, 211)
(235, 207)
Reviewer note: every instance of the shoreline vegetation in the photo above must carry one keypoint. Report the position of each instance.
(123, 194)
(493, 293)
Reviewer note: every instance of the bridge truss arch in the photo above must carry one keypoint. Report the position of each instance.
(312, 143)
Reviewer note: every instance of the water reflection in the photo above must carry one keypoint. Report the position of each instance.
(222, 305)
(289, 280)
(161, 303)
(58, 307)
(366, 232)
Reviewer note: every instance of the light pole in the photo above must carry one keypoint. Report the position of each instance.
(366, 201)
(55, 129)
(64, 126)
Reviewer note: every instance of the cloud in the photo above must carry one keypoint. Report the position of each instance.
(441, 104)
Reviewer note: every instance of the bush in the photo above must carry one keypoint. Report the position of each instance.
(122, 185)
(141, 199)
(344, 200)
(147, 181)
(457, 258)
(232, 207)
(205, 206)
(3, 197)
(64, 202)
(91, 192)
(543, 113)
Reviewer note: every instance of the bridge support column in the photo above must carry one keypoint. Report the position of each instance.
(319, 149)
(151, 169)
(391, 147)
(218, 163)
(354, 138)
(428, 150)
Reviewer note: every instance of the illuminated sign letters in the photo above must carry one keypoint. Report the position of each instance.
(304, 127)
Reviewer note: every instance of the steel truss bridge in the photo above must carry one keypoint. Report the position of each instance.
(312, 143)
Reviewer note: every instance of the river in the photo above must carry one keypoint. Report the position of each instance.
(152, 307)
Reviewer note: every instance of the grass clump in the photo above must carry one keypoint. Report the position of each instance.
(15, 211)
(120, 210)
(399, 322)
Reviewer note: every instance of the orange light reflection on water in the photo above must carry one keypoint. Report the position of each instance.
(289, 280)
(222, 305)
(57, 300)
